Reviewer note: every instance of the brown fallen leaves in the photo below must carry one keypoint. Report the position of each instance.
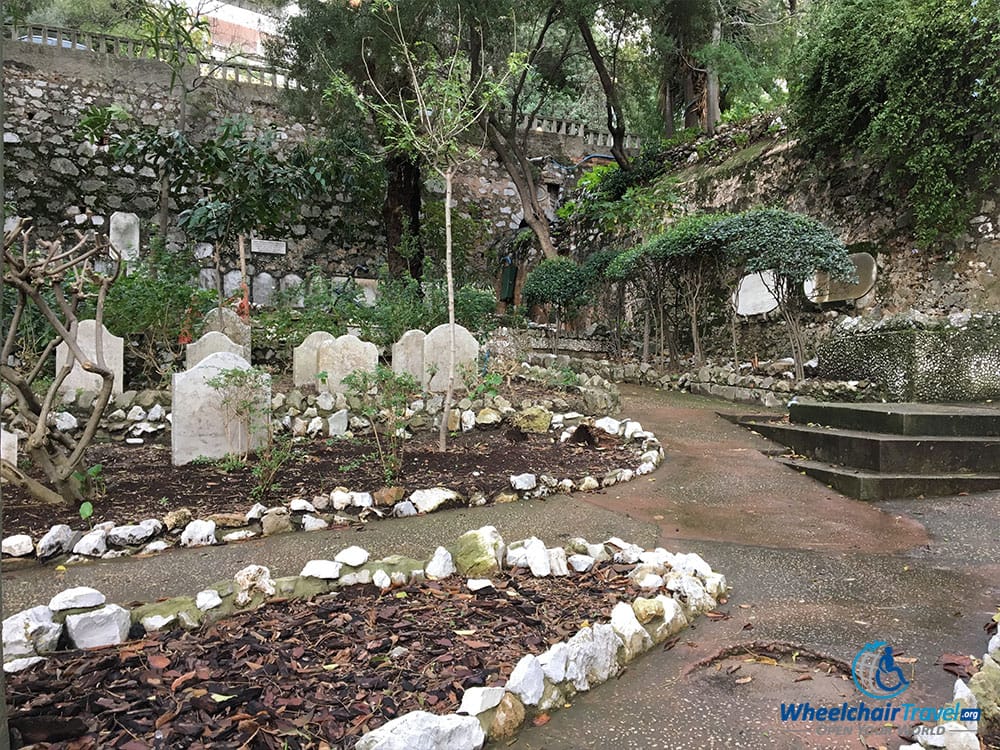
(306, 674)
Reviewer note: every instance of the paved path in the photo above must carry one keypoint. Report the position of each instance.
(806, 565)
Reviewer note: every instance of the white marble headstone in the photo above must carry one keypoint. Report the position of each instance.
(342, 356)
(437, 345)
(753, 295)
(305, 358)
(90, 339)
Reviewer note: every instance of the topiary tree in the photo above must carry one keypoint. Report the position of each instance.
(560, 282)
(793, 247)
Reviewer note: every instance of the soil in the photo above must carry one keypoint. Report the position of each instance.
(140, 482)
(306, 674)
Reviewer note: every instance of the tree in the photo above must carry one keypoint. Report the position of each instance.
(793, 247)
(55, 282)
(560, 282)
(446, 100)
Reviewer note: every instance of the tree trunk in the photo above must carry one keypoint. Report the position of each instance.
(666, 105)
(163, 221)
(612, 104)
(712, 112)
(695, 334)
(401, 215)
(4, 321)
(450, 281)
(692, 108)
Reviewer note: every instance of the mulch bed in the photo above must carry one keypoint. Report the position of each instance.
(141, 482)
(306, 674)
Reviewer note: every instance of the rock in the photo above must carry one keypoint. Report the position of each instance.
(255, 513)
(388, 496)
(275, 521)
(488, 416)
(527, 681)
(479, 552)
(557, 561)
(207, 599)
(533, 419)
(426, 501)
(298, 505)
(477, 700)
(198, 534)
(250, 579)
(381, 579)
(65, 422)
(633, 636)
(55, 542)
(626, 553)
(130, 536)
(18, 665)
(177, 518)
(313, 523)
(507, 719)
(106, 626)
(420, 730)
(155, 414)
(337, 423)
(537, 557)
(340, 498)
(228, 520)
(588, 484)
(30, 632)
(404, 509)
(581, 563)
(632, 429)
(478, 584)
(523, 482)
(609, 425)
(238, 536)
(694, 597)
(92, 544)
(353, 556)
(440, 565)
(76, 598)
(325, 569)
(136, 414)
(468, 420)
(362, 499)
(692, 564)
(592, 656)
(553, 662)
(17, 545)
(153, 547)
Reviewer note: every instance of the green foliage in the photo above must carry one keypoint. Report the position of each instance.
(86, 510)
(384, 397)
(95, 122)
(912, 84)
(92, 485)
(269, 462)
(325, 307)
(559, 282)
(241, 390)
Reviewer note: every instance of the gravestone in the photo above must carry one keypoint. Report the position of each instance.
(821, 288)
(408, 355)
(753, 295)
(124, 236)
(264, 286)
(342, 356)
(305, 358)
(232, 282)
(208, 278)
(436, 355)
(8, 446)
(202, 425)
(292, 283)
(224, 320)
(209, 344)
(88, 337)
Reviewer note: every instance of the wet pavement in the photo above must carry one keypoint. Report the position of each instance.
(807, 566)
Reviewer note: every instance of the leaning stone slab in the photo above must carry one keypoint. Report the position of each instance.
(225, 321)
(210, 343)
(90, 339)
(437, 346)
(342, 356)
(202, 424)
(408, 355)
(421, 730)
(106, 626)
(305, 358)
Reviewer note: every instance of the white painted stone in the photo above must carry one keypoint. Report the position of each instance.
(340, 499)
(517, 556)
(89, 338)
(381, 579)
(17, 545)
(523, 482)
(305, 358)
(468, 420)
(557, 561)
(692, 564)
(255, 513)
(131, 535)
(649, 581)
(30, 632)
(250, 579)
(76, 598)
(56, 541)
(325, 569)
(226, 321)
(202, 426)
(152, 623)
(207, 599)
(537, 557)
(441, 565)
(336, 424)
(437, 347)
(426, 501)
(404, 509)
(342, 356)
(632, 428)
(198, 533)
(625, 552)
(692, 594)
(18, 665)
(210, 343)
(609, 425)
(478, 584)
(65, 422)
(123, 233)
(420, 730)
(589, 484)
(554, 661)
(153, 547)
(356, 577)
(362, 499)
(106, 626)
(353, 556)
(299, 505)
(715, 584)
(674, 620)
(408, 355)
(634, 637)
(8, 446)
(581, 563)
(92, 544)
(592, 656)
(527, 681)
(313, 523)
(477, 700)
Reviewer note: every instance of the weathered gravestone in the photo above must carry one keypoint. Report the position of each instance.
(753, 295)
(436, 355)
(342, 356)
(305, 358)
(204, 425)
(209, 344)
(232, 282)
(408, 355)
(90, 339)
(8, 446)
(224, 320)
(821, 288)
(124, 236)
(264, 286)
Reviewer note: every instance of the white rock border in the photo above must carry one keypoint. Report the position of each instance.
(685, 587)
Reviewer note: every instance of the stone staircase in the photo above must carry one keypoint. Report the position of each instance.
(882, 451)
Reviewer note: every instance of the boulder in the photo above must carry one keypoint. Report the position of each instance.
(130, 535)
(479, 552)
(420, 730)
(523, 482)
(477, 700)
(17, 545)
(534, 419)
(353, 556)
(251, 579)
(527, 681)
(92, 544)
(207, 599)
(441, 565)
(79, 597)
(325, 569)
(633, 636)
(30, 632)
(106, 626)
(56, 541)
(507, 719)
(175, 519)
(198, 533)
(276, 521)
(426, 501)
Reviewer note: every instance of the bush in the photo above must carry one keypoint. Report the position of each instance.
(559, 282)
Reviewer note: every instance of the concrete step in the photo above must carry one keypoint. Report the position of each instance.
(947, 420)
(870, 485)
(888, 453)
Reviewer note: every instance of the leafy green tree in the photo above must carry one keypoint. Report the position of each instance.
(793, 247)
(913, 85)
(561, 283)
